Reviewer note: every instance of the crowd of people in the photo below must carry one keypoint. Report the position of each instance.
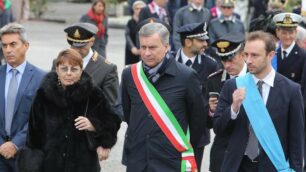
(190, 68)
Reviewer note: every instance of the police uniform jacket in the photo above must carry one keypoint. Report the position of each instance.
(218, 27)
(146, 146)
(188, 15)
(105, 75)
(292, 66)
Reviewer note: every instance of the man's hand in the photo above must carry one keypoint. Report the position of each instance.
(8, 150)
(103, 153)
(238, 97)
(213, 101)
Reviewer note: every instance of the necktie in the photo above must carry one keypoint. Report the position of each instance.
(11, 99)
(188, 63)
(284, 54)
(252, 146)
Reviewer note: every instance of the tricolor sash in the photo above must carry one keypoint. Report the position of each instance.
(262, 123)
(164, 118)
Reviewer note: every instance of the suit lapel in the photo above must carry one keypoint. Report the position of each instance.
(2, 93)
(274, 91)
(25, 80)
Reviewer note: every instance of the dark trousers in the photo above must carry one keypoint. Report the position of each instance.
(198, 153)
(7, 165)
(247, 165)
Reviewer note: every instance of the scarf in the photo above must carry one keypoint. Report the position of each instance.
(1, 5)
(99, 22)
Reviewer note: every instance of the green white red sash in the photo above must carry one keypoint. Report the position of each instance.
(164, 118)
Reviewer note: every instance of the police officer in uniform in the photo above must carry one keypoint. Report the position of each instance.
(226, 23)
(230, 50)
(290, 57)
(194, 40)
(80, 36)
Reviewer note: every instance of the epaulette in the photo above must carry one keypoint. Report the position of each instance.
(215, 73)
(107, 62)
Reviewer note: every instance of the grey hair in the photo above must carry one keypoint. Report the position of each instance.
(301, 33)
(15, 28)
(152, 28)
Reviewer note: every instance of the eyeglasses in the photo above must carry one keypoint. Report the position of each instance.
(66, 69)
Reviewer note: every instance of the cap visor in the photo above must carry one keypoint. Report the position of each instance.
(78, 44)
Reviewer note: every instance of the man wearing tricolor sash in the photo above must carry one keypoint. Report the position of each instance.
(263, 114)
(163, 108)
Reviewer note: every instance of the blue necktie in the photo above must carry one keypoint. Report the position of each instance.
(188, 63)
(11, 99)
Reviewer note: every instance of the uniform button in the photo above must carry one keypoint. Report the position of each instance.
(64, 154)
(66, 136)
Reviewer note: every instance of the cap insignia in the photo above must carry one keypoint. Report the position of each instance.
(222, 45)
(287, 19)
(77, 34)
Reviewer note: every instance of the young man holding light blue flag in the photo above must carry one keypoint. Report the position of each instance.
(263, 113)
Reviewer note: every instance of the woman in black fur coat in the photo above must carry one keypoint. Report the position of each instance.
(56, 140)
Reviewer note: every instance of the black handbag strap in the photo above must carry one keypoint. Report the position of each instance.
(86, 108)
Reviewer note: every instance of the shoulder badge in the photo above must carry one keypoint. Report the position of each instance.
(215, 73)
(95, 56)
(107, 62)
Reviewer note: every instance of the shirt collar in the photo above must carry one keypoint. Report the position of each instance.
(289, 49)
(87, 58)
(19, 68)
(185, 58)
(231, 18)
(194, 7)
(269, 79)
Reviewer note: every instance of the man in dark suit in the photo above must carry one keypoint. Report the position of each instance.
(104, 73)
(226, 23)
(230, 50)
(194, 40)
(284, 104)
(19, 83)
(147, 147)
(290, 57)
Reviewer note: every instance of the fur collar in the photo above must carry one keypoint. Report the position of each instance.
(55, 93)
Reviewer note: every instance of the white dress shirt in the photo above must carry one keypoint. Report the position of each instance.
(87, 58)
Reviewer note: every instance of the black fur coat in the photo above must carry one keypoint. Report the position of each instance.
(52, 130)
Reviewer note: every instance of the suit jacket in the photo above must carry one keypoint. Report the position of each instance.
(292, 66)
(146, 147)
(218, 28)
(30, 82)
(285, 106)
